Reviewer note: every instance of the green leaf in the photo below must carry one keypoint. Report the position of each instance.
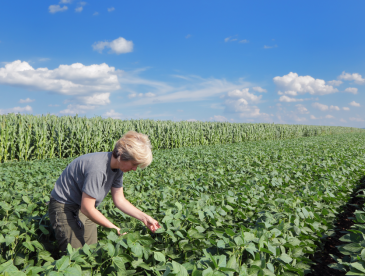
(285, 258)
(29, 246)
(230, 232)
(118, 263)
(110, 249)
(86, 249)
(178, 269)
(221, 244)
(358, 266)
(159, 257)
(137, 250)
(44, 230)
(45, 255)
(63, 263)
(112, 236)
(26, 199)
(178, 205)
(72, 271)
(9, 239)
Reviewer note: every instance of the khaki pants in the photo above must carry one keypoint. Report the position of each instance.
(71, 225)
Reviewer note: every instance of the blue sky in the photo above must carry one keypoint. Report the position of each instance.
(292, 62)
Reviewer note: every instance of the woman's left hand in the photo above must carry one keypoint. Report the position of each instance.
(151, 223)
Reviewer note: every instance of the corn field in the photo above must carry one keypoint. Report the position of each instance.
(29, 137)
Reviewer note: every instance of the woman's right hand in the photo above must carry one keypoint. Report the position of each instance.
(118, 229)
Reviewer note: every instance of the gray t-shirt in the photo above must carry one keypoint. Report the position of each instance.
(89, 173)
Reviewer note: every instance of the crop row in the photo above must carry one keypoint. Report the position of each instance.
(28, 137)
(353, 249)
(257, 208)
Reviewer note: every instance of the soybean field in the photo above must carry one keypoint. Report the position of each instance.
(253, 208)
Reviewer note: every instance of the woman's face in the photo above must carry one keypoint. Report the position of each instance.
(126, 166)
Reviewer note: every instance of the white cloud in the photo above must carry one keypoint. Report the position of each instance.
(334, 82)
(149, 95)
(73, 109)
(95, 13)
(53, 105)
(188, 36)
(244, 41)
(95, 99)
(194, 88)
(357, 119)
(65, 1)
(357, 78)
(57, 8)
(111, 9)
(292, 84)
(301, 108)
(244, 110)
(133, 95)
(346, 108)
(352, 90)
(329, 117)
(219, 118)
(113, 114)
(117, 46)
(79, 9)
(319, 106)
(244, 94)
(17, 109)
(343, 121)
(192, 120)
(334, 107)
(82, 3)
(239, 102)
(353, 103)
(229, 39)
(259, 89)
(300, 119)
(270, 47)
(27, 100)
(313, 117)
(289, 100)
(74, 79)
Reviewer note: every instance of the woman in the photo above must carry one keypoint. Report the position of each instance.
(85, 183)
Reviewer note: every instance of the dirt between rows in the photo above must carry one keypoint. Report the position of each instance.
(323, 259)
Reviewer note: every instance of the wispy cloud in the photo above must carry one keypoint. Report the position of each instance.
(117, 46)
(57, 8)
(259, 89)
(353, 103)
(352, 90)
(111, 9)
(319, 106)
(113, 114)
(18, 109)
(27, 100)
(270, 47)
(230, 39)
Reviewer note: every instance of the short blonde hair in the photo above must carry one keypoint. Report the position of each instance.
(134, 146)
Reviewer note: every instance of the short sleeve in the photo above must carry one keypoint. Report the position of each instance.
(93, 183)
(118, 181)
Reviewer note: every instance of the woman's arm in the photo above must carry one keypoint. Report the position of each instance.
(126, 207)
(89, 210)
